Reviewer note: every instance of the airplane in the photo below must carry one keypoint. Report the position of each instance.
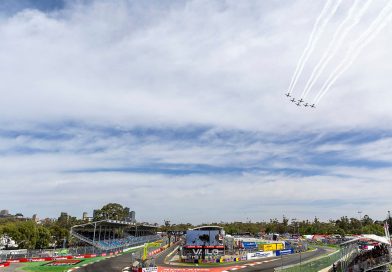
(298, 104)
(288, 95)
(301, 100)
(306, 104)
(312, 106)
(292, 100)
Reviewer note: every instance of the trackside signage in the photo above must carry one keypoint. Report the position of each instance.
(284, 252)
(259, 255)
(249, 244)
(4, 264)
(207, 251)
(150, 269)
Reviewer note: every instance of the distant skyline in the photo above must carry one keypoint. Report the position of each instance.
(176, 109)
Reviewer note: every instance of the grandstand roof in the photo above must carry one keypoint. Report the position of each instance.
(117, 223)
(208, 228)
(373, 237)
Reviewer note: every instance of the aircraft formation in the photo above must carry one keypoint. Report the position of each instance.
(299, 102)
(342, 48)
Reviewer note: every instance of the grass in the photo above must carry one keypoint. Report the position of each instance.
(40, 266)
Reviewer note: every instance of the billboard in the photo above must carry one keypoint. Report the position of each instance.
(259, 255)
(271, 247)
(249, 245)
(284, 252)
(207, 238)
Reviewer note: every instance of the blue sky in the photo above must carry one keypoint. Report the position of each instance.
(176, 110)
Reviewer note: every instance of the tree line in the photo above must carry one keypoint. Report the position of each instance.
(342, 226)
(56, 233)
(51, 232)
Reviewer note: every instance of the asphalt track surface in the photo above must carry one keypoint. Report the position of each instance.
(267, 267)
(116, 264)
(286, 260)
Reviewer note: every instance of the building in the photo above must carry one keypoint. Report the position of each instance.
(95, 213)
(85, 216)
(4, 213)
(132, 216)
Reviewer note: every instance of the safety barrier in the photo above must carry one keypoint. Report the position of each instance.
(47, 259)
(5, 264)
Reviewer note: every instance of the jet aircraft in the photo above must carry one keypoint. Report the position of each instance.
(288, 95)
(312, 106)
(292, 100)
(306, 104)
(301, 100)
(298, 104)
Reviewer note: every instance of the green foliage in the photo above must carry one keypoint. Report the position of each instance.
(112, 211)
(343, 226)
(30, 235)
(58, 233)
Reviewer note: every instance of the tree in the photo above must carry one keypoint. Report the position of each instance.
(58, 234)
(373, 229)
(112, 211)
(366, 220)
(43, 237)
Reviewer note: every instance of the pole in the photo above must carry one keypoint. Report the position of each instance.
(281, 257)
(300, 259)
(360, 220)
(95, 227)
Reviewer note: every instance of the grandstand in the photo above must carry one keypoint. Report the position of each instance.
(376, 258)
(113, 234)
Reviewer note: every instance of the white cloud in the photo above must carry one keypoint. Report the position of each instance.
(228, 67)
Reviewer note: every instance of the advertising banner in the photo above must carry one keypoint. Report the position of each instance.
(249, 245)
(284, 252)
(4, 264)
(150, 269)
(271, 246)
(197, 269)
(267, 247)
(259, 255)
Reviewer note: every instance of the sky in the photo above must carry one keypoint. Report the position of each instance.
(176, 109)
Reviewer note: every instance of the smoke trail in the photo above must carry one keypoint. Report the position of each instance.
(309, 46)
(355, 49)
(336, 42)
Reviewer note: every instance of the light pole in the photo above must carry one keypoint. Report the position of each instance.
(300, 258)
(294, 222)
(360, 219)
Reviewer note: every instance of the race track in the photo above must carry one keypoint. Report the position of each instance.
(116, 264)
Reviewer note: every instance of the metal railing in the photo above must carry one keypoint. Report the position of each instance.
(370, 264)
(312, 265)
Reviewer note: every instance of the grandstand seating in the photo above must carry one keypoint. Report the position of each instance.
(125, 242)
(109, 244)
